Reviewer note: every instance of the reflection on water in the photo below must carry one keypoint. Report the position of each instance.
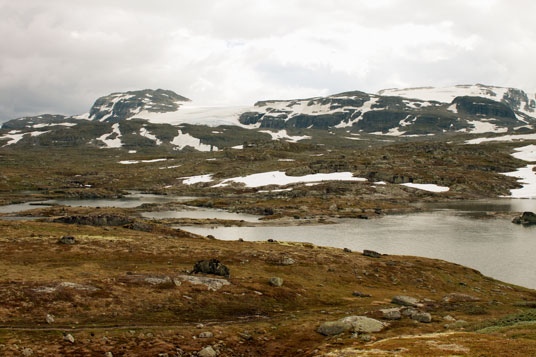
(201, 213)
(496, 247)
(130, 201)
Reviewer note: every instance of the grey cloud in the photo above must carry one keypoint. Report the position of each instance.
(58, 56)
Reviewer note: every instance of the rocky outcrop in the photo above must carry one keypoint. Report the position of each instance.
(212, 266)
(95, 220)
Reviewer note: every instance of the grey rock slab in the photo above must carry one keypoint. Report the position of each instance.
(212, 284)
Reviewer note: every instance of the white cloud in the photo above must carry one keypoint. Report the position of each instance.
(58, 56)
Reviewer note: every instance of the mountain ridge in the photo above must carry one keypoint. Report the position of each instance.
(164, 118)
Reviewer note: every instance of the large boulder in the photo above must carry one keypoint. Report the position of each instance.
(212, 266)
(406, 301)
(526, 219)
(359, 324)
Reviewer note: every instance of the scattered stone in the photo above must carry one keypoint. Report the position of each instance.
(212, 266)
(206, 334)
(371, 253)
(526, 219)
(391, 314)
(360, 294)
(67, 240)
(276, 281)
(212, 284)
(347, 250)
(406, 301)
(421, 317)
(287, 261)
(408, 311)
(210, 236)
(365, 338)
(270, 240)
(49, 319)
(207, 352)
(458, 297)
(240, 239)
(68, 337)
(27, 352)
(449, 318)
(359, 324)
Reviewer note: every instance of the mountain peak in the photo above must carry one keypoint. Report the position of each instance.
(123, 105)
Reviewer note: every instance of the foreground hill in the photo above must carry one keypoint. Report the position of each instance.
(164, 119)
(84, 298)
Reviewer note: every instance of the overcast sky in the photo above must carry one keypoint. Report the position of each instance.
(58, 56)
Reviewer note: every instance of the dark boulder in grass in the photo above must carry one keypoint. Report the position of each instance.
(212, 266)
(371, 253)
(526, 219)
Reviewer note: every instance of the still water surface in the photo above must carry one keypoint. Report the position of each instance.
(496, 247)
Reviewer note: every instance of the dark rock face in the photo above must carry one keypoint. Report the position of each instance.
(483, 106)
(67, 240)
(526, 219)
(212, 266)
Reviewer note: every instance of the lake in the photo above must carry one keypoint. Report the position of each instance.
(496, 247)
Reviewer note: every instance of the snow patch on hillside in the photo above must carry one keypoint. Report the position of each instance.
(482, 126)
(430, 187)
(526, 153)
(282, 135)
(112, 142)
(183, 140)
(191, 180)
(527, 177)
(12, 137)
(280, 178)
(145, 133)
(507, 138)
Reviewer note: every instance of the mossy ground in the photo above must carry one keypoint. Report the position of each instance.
(248, 317)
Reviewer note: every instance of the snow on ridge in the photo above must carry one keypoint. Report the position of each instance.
(112, 143)
(447, 94)
(282, 134)
(195, 115)
(280, 178)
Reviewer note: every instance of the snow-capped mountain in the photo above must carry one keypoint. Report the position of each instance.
(162, 118)
(394, 114)
(516, 99)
